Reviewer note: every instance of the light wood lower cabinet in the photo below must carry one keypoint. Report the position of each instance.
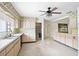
(11, 52)
(27, 38)
(2, 53)
(75, 43)
(67, 39)
(15, 49)
(12, 49)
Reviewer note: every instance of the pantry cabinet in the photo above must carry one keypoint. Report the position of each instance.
(29, 30)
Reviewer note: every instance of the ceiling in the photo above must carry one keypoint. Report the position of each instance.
(31, 9)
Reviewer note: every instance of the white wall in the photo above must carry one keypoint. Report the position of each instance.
(46, 28)
(6, 19)
(78, 27)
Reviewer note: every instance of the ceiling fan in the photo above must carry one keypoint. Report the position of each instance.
(50, 11)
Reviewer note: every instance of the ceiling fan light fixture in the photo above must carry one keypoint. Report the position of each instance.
(49, 14)
(49, 7)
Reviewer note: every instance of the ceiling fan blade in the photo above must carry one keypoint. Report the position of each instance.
(41, 11)
(56, 12)
(54, 8)
(42, 14)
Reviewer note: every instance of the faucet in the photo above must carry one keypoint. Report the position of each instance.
(10, 32)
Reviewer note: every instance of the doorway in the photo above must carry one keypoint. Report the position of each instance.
(38, 31)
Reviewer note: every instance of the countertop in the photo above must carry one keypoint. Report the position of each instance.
(5, 42)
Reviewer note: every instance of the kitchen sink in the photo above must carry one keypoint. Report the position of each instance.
(12, 37)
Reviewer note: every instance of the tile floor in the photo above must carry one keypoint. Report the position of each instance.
(47, 47)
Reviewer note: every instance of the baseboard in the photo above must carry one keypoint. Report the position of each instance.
(29, 42)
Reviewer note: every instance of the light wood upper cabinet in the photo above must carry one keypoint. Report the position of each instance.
(29, 23)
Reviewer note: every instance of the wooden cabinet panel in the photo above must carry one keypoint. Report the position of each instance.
(17, 48)
(27, 38)
(69, 42)
(2, 53)
(14, 48)
(62, 38)
(66, 39)
(29, 23)
(9, 47)
(72, 42)
(32, 23)
(75, 44)
(11, 52)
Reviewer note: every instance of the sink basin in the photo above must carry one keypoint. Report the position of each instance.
(10, 37)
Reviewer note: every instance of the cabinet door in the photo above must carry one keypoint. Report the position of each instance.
(10, 47)
(11, 52)
(62, 38)
(15, 49)
(29, 23)
(75, 43)
(26, 38)
(69, 41)
(2, 53)
(32, 23)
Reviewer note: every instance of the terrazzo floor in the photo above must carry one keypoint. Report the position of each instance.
(47, 47)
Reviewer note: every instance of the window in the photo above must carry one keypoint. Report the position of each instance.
(2, 26)
(63, 28)
(6, 25)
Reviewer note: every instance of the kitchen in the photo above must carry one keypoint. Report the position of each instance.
(22, 35)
